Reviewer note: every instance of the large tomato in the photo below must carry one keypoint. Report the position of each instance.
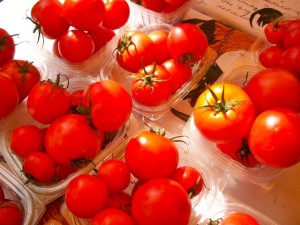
(71, 138)
(135, 49)
(161, 201)
(274, 138)
(223, 113)
(24, 74)
(150, 155)
(152, 85)
(274, 87)
(7, 47)
(10, 213)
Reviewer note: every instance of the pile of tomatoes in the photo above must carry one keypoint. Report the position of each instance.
(161, 6)
(79, 28)
(283, 35)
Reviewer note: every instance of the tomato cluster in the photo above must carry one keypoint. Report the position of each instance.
(79, 28)
(284, 52)
(151, 163)
(162, 6)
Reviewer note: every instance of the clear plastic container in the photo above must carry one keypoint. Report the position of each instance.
(14, 190)
(112, 71)
(141, 16)
(48, 192)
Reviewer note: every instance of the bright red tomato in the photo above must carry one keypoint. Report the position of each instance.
(47, 16)
(101, 36)
(26, 139)
(180, 73)
(236, 218)
(274, 138)
(292, 38)
(275, 31)
(10, 96)
(62, 172)
(39, 166)
(271, 56)
(290, 60)
(154, 5)
(116, 14)
(150, 155)
(77, 140)
(24, 74)
(226, 117)
(120, 200)
(152, 85)
(176, 2)
(187, 43)
(135, 50)
(47, 101)
(190, 179)
(115, 174)
(10, 213)
(84, 14)
(76, 46)
(7, 47)
(86, 195)
(169, 203)
(112, 216)
(274, 87)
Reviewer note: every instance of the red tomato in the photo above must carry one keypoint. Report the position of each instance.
(115, 174)
(150, 155)
(55, 48)
(275, 31)
(111, 104)
(26, 139)
(274, 87)
(62, 172)
(2, 196)
(24, 74)
(75, 99)
(290, 60)
(86, 195)
(154, 5)
(10, 213)
(169, 203)
(159, 38)
(112, 216)
(39, 166)
(76, 46)
(120, 200)
(187, 43)
(7, 47)
(274, 138)
(47, 101)
(236, 218)
(190, 179)
(77, 140)
(84, 14)
(10, 96)
(116, 14)
(292, 38)
(180, 73)
(135, 50)
(271, 56)
(176, 2)
(152, 85)
(226, 117)
(47, 16)
(101, 36)
(239, 150)
(293, 24)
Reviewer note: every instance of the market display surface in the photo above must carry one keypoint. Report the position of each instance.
(124, 112)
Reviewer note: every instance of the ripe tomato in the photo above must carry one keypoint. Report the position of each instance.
(236, 218)
(187, 43)
(292, 38)
(115, 174)
(10, 213)
(86, 195)
(180, 73)
(39, 166)
(159, 38)
(26, 139)
(169, 203)
(154, 5)
(112, 216)
(101, 36)
(47, 16)
(24, 74)
(190, 179)
(111, 104)
(62, 172)
(152, 85)
(274, 138)
(10, 96)
(84, 14)
(176, 2)
(150, 155)
(77, 140)
(275, 31)
(135, 49)
(274, 87)
(7, 47)
(47, 101)
(271, 56)
(76, 46)
(116, 14)
(120, 200)
(290, 60)
(225, 117)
